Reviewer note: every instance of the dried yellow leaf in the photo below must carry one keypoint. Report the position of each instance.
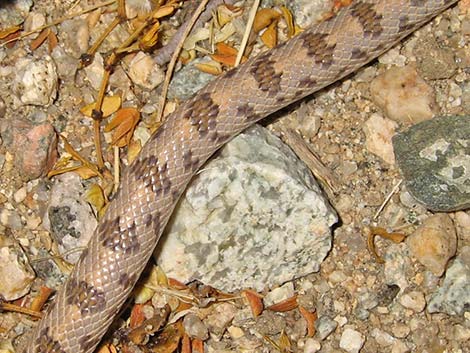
(95, 197)
(150, 38)
(264, 18)
(110, 105)
(7, 31)
(289, 18)
(123, 124)
(133, 150)
(86, 172)
(213, 68)
(269, 37)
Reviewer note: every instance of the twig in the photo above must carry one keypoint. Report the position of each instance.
(246, 35)
(387, 199)
(171, 66)
(19, 309)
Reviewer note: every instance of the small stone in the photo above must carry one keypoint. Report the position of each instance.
(20, 194)
(33, 145)
(379, 133)
(16, 275)
(382, 338)
(279, 294)
(400, 330)
(397, 267)
(69, 217)
(10, 218)
(351, 341)
(235, 332)
(221, 317)
(413, 300)
(403, 95)
(434, 158)
(188, 81)
(434, 62)
(144, 72)
(400, 347)
(194, 327)
(325, 326)
(453, 297)
(95, 71)
(311, 345)
(434, 243)
(36, 81)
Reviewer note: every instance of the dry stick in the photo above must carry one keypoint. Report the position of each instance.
(19, 309)
(171, 66)
(56, 22)
(246, 35)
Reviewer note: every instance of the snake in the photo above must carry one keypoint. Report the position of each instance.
(103, 278)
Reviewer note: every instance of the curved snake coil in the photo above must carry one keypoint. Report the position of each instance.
(125, 239)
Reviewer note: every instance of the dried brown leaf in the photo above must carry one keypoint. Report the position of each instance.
(285, 305)
(255, 301)
(123, 124)
(40, 39)
(95, 197)
(264, 18)
(310, 317)
(4, 33)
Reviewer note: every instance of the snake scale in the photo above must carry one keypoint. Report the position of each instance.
(126, 236)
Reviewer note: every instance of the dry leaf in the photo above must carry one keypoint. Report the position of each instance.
(310, 317)
(150, 38)
(289, 18)
(123, 124)
(9, 31)
(264, 18)
(213, 68)
(41, 298)
(137, 316)
(285, 305)
(52, 41)
(255, 301)
(186, 344)
(197, 346)
(284, 343)
(95, 197)
(40, 39)
(226, 13)
(110, 105)
(107, 348)
(133, 150)
(269, 36)
(168, 340)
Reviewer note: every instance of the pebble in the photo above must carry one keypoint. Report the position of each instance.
(144, 72)
(194, 327)
(325, 326)
(413, 300)
(453, 296)
(397, 266)
(16, 275)
(254, 217)
(434, 158)
(10, 218)
(403, 95)
(36, 80)
(69, 217)
(351, 341)
(311, 345)
(33, 145)
(279, 294)
(382, 338)
(221, 317)
(434, 243)
(434, 62)
(379, 132)
(400, 330)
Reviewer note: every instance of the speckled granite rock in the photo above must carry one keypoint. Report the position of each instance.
(434, 157)
(254, 217)
(69, 217)
(453, 297)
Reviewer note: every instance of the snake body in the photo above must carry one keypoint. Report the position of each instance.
(125, 238)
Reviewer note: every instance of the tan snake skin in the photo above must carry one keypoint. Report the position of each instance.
(125, 239)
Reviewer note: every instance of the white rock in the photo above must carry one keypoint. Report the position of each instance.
(254, 217)
(351, 341)
(379, 132)
(36, 80)
(16, 275)
(279, 294)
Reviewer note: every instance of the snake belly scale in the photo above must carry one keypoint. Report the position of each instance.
(125, 238)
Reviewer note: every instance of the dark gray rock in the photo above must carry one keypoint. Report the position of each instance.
(434, 157)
